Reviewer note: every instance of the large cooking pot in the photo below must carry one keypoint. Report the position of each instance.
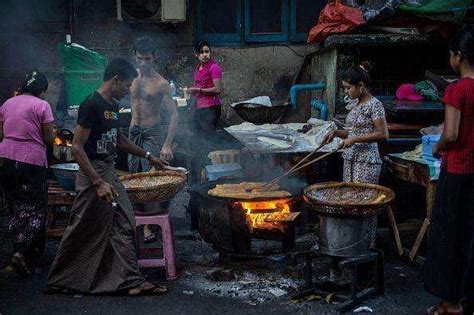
(260, 114)
(347, 214)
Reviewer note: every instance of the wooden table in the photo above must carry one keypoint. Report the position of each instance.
(417, 173)
(57, 196)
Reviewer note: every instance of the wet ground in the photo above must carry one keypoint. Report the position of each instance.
(262, 286)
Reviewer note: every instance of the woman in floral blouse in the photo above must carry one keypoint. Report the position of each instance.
(366, 125)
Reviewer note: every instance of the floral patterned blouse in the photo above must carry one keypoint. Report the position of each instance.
(360, 122)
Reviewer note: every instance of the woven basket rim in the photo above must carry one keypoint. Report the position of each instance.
(390, 194)
(180, 175)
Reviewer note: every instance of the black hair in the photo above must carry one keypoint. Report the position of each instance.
(358, 74)
(200, 45)
(145, 45)
(121, 68)
(463, 41)
(34, 83)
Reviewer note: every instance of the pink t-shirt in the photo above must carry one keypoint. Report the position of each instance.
(203, 79)
(22, 117)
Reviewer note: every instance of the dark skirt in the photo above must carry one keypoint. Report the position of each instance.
(205, 137)
(449, 268)
(206, 119)
(97, 253)
(26, 192)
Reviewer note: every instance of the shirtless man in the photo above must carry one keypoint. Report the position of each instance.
(149, 93)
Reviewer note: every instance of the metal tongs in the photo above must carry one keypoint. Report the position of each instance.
(298, 166)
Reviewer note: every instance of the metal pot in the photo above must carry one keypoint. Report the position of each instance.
(345, 237)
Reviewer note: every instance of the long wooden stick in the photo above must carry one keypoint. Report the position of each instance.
(301, 167)
(396, 233)
(297, 164)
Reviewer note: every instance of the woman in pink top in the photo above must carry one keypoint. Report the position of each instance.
(206, 91)
(25, 129)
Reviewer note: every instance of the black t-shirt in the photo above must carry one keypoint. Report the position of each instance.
(102, 118)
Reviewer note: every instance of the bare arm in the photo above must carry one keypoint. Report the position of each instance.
(216, 89)
(452, 120)
(124, 144)
(167, 152)
(48, 135)
(81, 134)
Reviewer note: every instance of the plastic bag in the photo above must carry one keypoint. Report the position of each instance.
(428, 90)
(380, 13)
(440, 10)
(335, 18)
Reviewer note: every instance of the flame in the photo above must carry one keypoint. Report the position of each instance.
(258, 212)
(58, 141)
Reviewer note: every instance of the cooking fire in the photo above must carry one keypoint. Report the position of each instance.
(267, 214)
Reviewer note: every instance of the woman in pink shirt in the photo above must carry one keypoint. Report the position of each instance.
(206, 91)
(25, 129)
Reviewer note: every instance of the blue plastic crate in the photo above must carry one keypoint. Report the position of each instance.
(216, 171)
(428, 143)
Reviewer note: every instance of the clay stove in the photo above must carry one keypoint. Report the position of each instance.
(231, 224)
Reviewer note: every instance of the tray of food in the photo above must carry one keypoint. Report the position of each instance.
(348, 199)
(153, 186)
(249, 191)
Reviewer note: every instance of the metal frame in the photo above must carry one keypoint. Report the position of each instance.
(219, 38)
(243, 35)
(267, 37)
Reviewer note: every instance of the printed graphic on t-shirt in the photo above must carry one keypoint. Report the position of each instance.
(111, 115)
(108, 143)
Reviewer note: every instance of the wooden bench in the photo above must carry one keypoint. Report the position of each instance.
(57, 198)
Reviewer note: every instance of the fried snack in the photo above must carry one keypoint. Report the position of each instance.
(248, 190)
(150, 181)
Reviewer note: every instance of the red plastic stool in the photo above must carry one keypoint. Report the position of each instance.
(169, 260)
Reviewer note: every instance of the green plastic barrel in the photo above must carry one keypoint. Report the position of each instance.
(83, 71)
(80, 83)
(77, 57)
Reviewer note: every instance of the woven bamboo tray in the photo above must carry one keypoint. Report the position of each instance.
(343, 199)
(153, 186)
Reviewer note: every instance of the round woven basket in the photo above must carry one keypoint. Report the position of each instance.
(368, 199)
(153, 186)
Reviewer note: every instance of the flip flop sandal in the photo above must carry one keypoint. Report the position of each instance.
(150, 238)
(442, 310)
(19, 266)
(155, 290)
(55, 290)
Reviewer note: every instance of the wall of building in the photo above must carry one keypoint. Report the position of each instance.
(30, 33)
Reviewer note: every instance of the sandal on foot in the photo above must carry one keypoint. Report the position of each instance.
(54, 290)
(19, 266)
(442, 309)
(146, 289)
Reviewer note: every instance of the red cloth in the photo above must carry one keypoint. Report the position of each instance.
(335, 18)
(407, 91)
(459, 159)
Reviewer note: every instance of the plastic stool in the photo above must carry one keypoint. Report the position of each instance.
(168, 261)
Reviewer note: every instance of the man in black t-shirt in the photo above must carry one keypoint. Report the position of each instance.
(97, 253)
